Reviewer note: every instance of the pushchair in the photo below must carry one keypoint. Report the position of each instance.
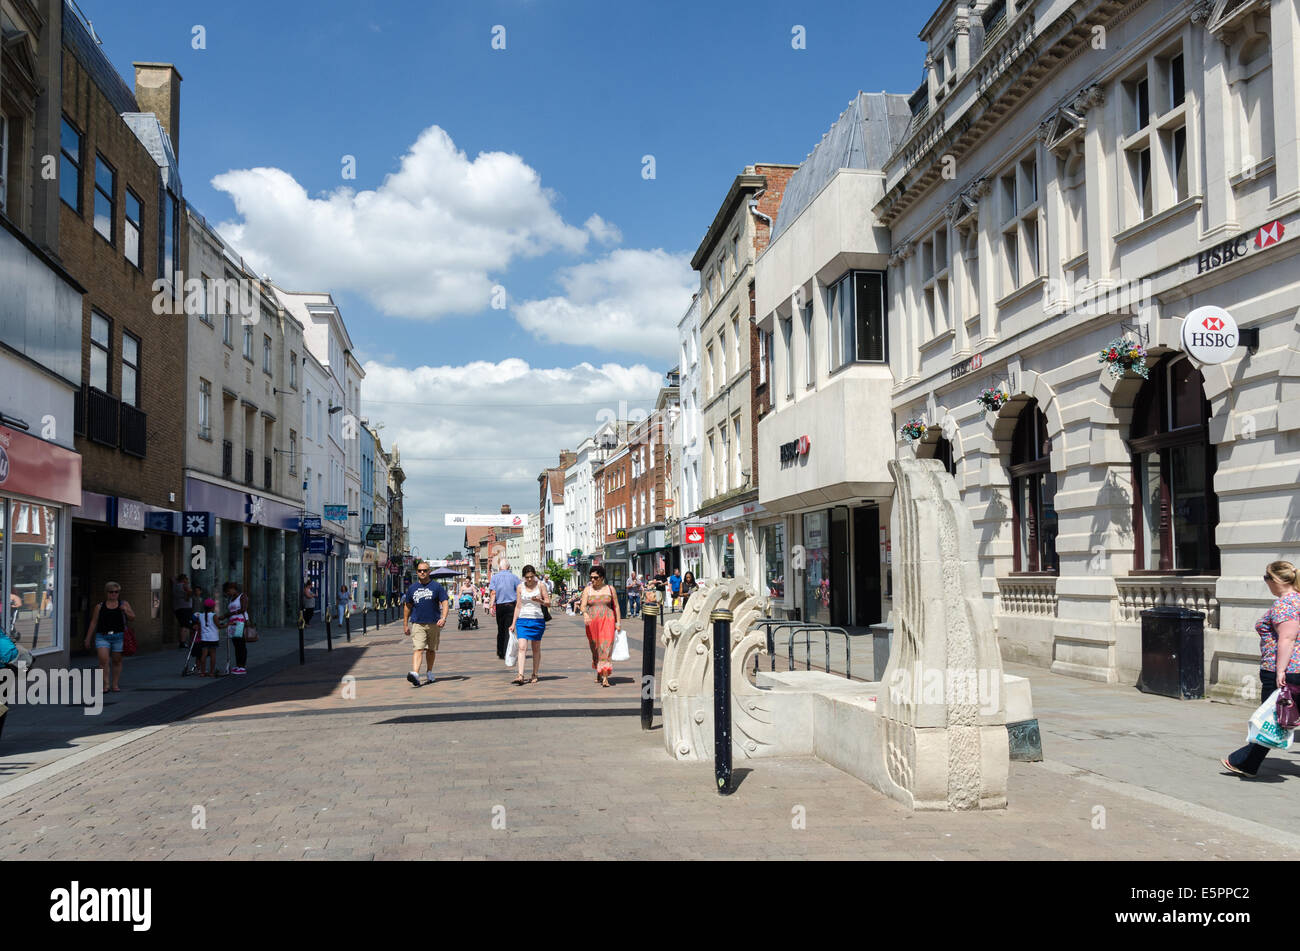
(465, 613)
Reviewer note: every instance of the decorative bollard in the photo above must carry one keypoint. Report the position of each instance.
(329, 637)
(650, 614)
(347, 625)
(364, 611)
(721, 619)
(302, 639)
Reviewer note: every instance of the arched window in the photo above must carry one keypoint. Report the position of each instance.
(1175, 511)
(1033, 494)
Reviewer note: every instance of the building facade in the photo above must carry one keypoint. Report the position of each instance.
(1102, 195)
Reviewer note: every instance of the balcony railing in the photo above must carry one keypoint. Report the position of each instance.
(248, 466)
(134, 431)
(1027, 597)
(1137, 593)
(79, 412)
(227, 459)
(102, 417)
(266, 473)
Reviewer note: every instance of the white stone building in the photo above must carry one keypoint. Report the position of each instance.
(686, 438)
(1054, 194)
(579, 493)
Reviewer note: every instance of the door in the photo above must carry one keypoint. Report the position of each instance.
(839, 606)
(866, 565)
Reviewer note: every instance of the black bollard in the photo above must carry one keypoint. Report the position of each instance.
(650, 614)
(302, 639)
(721, 619)
(347, 625)
(329, 637)
(363, 620)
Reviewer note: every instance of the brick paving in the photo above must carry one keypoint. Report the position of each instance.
(473, 767)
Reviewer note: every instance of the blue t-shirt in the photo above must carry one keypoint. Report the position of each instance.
(676, 582)
(425, 601)
(504, 585)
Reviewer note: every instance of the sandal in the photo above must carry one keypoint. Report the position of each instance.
(1232, 769)
(534, 679)
(518, 681)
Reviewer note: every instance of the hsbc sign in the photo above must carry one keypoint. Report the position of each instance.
(1210, 335)
(792, 450)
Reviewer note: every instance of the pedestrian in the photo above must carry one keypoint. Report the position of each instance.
(424, 612)
(308, 601)
(108, 623)
(633, 589)
(600, 613)
(502, 592)
(183, 608)
(529, 622)
(1279, 642)
(675, 583)
(344, 598)
(209, 638)
(688, 586)
(660, 585)
(238, 610)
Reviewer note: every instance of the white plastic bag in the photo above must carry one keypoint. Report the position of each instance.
(511, 647)
(620, 651)
(1263, 728)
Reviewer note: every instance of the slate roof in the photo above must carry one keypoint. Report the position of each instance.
(92, 59)
(864, 136)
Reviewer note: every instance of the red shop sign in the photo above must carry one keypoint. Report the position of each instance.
(42, 470)
(695, 534)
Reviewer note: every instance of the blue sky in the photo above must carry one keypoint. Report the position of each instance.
(582, 91)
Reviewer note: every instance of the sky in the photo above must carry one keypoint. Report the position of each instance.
(507, 231)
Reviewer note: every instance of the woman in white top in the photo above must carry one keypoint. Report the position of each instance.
(529, 622)
(238, 609)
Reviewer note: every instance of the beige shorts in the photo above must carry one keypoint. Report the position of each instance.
(424, 637)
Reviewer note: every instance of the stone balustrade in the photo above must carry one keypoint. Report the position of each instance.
(1027, 597)
(1137, 593)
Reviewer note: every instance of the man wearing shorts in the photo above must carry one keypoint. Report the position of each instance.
(424, 612)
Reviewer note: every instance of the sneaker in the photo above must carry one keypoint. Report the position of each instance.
(414, 678)
(429, 678)
(238, 670)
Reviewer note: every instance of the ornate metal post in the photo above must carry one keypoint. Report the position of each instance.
(721, 619)
(302, 639)
(650, 615)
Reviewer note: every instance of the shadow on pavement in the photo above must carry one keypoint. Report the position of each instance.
(559, 714)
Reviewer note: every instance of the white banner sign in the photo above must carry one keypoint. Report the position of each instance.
(488, 521)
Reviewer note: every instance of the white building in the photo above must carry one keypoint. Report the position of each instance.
(352, 427)
(579, 493)
(1100, 193)
(685, 439)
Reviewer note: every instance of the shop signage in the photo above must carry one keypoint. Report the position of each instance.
(621, 533)
(42, 470)
(488, 521)
(254, 509)
(311, 522)
(1209, 334)
(695, 534)
(969, 365)
(165, 522)
(1269, 235)
(794, 449)
(376, 532)
(129, 514)
(336, 513)
(1234, 249)
(317, 544)
(197, 524)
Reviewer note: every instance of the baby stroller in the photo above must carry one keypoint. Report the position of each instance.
(466, 619)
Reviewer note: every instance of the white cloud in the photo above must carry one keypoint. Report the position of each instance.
(629, 300)
(603, 231)
(446, 419)
(431, 240)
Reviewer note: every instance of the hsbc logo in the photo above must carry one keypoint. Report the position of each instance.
(1212, 323)
(1269, 235)
(795, 449)
(1210, 335)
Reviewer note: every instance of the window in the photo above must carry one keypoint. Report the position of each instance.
(205, 409)
(735, 336)
(855, 307)
(738, 467)
(266, 354)
(724, 459)
(763, 351)
(735, 253)
(248, 344)
(1175, 510)
(130, 370)
(787, 340)
(1072, 173)
(1155, 137)
(1020, 214)
(1251, 80)
(806, 315)
(713, 467)
(105, 201)
(708, 372)
(1033, 494)
(131, 231)
(70, 166)
(168, 248)
(293, 370)
(100, 350)
(723, 373)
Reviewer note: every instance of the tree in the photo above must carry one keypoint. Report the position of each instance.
(557, 572)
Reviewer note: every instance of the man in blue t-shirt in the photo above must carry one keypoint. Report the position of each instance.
(675, 582)
(424, 612)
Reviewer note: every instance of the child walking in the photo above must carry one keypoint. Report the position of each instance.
(209, 638)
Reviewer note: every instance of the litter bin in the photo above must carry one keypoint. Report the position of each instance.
(1173, 653)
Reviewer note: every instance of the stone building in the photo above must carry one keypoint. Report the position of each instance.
(1055, 194)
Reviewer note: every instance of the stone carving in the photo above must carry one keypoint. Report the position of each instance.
(943, 710)
(1089, 96)
(687, 695)
(902, 253)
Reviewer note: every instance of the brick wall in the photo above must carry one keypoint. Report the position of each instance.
(778, 176)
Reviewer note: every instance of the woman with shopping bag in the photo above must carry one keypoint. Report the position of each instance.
(600, 612)
(1279, 642)
(529, 622)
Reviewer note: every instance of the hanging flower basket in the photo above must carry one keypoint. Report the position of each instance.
(914, 430)
(1122, 355)
(992, 400)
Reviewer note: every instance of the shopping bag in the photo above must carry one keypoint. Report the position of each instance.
(1263, 728)
(512, 646)
(620, 651)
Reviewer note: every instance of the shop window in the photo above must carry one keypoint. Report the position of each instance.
(774, 560)
(817, 573)
(1175, 510)
(33, 549)
(1033, 494)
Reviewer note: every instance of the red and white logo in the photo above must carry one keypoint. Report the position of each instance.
(1212, 323)
(695, 534)
(1269, 235)
(517, 521)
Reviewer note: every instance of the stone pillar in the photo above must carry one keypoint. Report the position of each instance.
(276, 610)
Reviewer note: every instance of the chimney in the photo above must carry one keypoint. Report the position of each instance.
(158, 90)
(505, 510)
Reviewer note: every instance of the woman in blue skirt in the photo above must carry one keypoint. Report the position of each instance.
(530, 622)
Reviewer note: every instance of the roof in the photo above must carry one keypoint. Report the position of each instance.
(77, 38)
(475, 535)
(556, 477)
(864, 136)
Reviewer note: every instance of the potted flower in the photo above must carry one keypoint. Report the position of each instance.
(992, 400)
(913, 430)
(1122, 355)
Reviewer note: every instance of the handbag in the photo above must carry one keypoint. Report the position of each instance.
(128, 642)
(546, 613)
(620, 651)
(1286, 709)
(1263, 726)
(250, 632)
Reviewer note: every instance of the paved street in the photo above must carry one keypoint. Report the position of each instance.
(344, 759)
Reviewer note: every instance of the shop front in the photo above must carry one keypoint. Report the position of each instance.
(731, 543)
(649, 552)
(40, 483)
(616, 561)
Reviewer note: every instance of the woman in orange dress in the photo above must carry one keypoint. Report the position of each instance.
(600, 612)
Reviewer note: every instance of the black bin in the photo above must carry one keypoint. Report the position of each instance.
(1173, 653)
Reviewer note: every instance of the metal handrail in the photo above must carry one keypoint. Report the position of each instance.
(772, 625)
(826, 630)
